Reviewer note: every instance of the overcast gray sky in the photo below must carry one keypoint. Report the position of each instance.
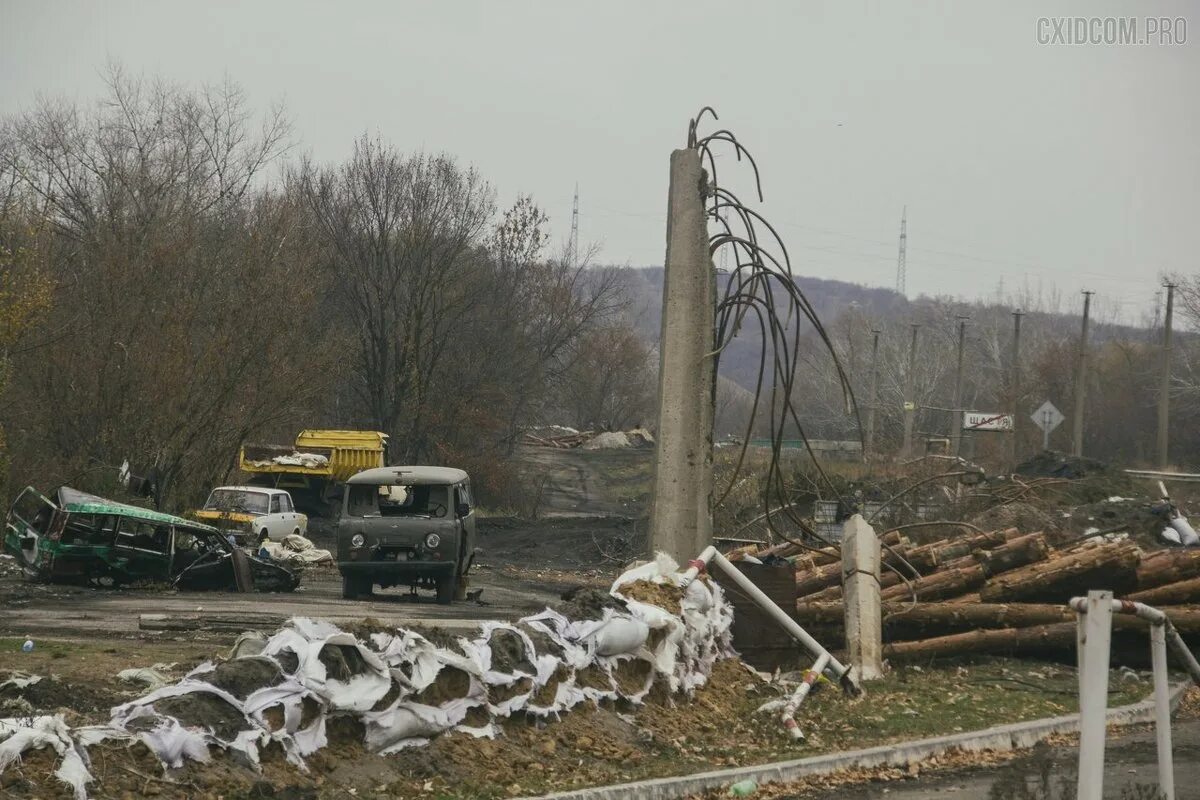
(1075, 166)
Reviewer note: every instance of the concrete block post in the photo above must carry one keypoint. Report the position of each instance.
(864, 622)
(681, 509)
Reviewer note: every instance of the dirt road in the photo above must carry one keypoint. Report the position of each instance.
(522, 567)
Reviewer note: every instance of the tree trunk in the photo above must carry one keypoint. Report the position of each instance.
(1112, 566)
(888, 578)
(1018, 552)
(1011, 641)
(809, 560)
(1171, 594)
(818, 579)
(929, 556)
(939, 585)
(1035, 638)
(925, 620)
(1015, 553)
(1168, 566)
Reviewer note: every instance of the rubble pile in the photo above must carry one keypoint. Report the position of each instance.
(403, 687)
(997, 591)
(564, 438)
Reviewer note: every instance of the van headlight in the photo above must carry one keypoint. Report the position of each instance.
(432, 541)
(357, 540)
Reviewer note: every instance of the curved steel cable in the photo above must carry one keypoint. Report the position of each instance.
(762, 287)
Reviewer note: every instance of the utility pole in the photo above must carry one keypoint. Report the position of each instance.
(901, 266)
(681, 508)
(575, 229)
(910, 403)
(1164, 387)
(872, 395)
(1015, 384)
(956, 416)
(1081, 380)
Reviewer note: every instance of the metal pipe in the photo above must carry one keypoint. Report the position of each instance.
(837, 670)
(1093, 692)
(698, 565)
(1162, 711)
(789, 710)
(1154, 617)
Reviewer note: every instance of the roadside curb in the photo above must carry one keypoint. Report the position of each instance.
(1016, 736)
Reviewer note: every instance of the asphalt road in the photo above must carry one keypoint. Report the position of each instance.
(58, 611)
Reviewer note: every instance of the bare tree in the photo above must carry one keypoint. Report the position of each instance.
(184, 287)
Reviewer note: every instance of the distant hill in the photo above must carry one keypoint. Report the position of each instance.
(832, 298)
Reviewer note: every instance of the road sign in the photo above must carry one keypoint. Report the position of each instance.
(1047, 417)
(987, 421)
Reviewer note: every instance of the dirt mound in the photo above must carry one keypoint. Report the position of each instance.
(447, 640)
(52, 694)
(242, 676)
(587, 602)
(342, 661)
(1022, 516)
(451, 684)
(663, 595)
(509, 653)
(203, 709)
(1118, 515)
(1053, 464)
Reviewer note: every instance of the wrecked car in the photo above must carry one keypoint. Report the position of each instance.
(410, 526)
(252, 513)
(83, 538)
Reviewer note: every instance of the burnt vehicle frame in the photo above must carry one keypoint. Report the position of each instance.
(84, 538)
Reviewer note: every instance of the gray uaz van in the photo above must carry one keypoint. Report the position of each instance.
(406, 525)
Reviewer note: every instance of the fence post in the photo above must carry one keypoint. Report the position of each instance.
(1162, 711)
(1093, 694)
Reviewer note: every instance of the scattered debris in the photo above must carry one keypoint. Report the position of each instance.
(297, 549)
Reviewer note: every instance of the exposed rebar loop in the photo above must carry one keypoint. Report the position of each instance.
(761, 293)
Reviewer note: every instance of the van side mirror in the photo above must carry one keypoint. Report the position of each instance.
(463, 509)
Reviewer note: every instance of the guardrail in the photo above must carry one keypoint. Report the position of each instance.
(1093, 642)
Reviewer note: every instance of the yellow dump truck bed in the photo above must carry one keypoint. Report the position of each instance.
(329, 454)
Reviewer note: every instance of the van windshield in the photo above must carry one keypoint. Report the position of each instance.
(237, 500)
(399, 500)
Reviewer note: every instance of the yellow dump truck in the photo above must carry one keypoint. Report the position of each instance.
(314, 469)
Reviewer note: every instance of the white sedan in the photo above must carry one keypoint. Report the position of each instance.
(259, 511)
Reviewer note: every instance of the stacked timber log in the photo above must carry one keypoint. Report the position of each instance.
(995, 592)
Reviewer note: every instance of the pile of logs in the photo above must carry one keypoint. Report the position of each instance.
(997, 592)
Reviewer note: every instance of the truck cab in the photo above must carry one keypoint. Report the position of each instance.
(411, 526)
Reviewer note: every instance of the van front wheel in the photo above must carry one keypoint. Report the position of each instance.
(353, 588)
(445, 589)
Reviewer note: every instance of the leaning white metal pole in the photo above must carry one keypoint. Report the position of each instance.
(1093, 694)
(698, 564)
(836, 668)
(1162, 711)
(789, 709)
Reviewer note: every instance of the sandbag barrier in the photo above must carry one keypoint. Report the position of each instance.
(402, 687)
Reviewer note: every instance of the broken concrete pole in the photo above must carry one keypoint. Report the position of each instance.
(864, 624)
(681, 508)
